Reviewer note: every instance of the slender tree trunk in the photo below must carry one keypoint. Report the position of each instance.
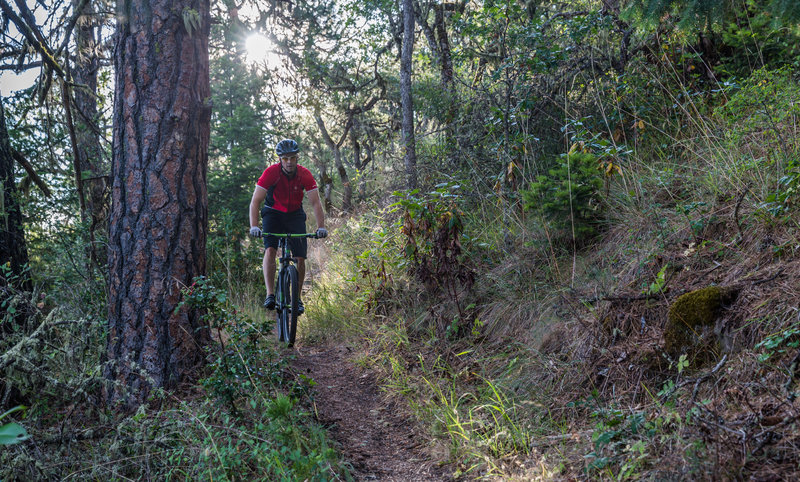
(13, 250)
(445, 55)
(438, 40)
(90, 153)
(362, 185)
(439, 43)
(327, 191)
(159, 211)
(326, 180)
(410, 158)
(357, 159)
(360, 162)
(347, 188)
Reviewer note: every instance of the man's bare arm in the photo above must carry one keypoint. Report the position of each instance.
(319, 213)
(259, 194)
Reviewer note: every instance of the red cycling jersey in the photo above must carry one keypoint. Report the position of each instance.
(287, 193)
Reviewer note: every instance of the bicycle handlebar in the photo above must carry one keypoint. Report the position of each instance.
(288, 235)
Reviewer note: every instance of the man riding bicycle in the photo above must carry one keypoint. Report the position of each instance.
(280, 189)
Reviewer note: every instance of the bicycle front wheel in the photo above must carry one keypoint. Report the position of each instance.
(282, 305)
(288, 304)
(293, 299)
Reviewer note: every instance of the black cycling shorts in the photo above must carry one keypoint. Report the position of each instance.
(274, 221)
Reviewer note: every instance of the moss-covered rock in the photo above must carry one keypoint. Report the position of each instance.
(690, 323)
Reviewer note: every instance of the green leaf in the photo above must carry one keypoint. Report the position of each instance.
(12, 433)
(12, 410)
(683, 362)
(604, 438)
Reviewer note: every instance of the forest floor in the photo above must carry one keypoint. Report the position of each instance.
(375, 432)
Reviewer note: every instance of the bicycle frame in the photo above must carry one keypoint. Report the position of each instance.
(287, 289)
(285, 248)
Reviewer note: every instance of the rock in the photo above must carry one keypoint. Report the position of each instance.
(690, 323)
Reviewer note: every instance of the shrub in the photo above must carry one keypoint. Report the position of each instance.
(761, 117)
(434, 230)
(764, 103)
(569, 199)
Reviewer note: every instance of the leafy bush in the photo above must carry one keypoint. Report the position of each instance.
(753, 37)
(620, 441)
(785, 198)
(231, 262)
(761, 117)
(241, 364)
(434, 231)
(765, 103)
(779, 343)
(247, 375)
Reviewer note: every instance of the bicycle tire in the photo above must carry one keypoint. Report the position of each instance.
(282, 307)
(293, 299)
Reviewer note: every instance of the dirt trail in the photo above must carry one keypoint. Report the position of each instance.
(375, 433)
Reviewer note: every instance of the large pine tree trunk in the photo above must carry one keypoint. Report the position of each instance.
(158, 196)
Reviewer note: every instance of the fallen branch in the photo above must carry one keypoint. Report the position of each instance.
(706, 376)
(740, 433)
(778, 273)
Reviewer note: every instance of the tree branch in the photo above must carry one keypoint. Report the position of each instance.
(17, 68)
(31, 172)
(71, 25)
(31, 32)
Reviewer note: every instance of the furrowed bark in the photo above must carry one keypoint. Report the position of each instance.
(159, 214)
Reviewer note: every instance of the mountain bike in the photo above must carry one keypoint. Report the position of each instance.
(287, 289)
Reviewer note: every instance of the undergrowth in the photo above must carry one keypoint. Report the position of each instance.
(248, 418)
(547, 360)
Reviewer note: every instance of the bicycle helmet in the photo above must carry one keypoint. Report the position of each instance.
(287, 147)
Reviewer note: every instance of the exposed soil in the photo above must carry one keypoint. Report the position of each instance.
(375, 433)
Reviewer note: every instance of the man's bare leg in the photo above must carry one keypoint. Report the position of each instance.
(301, 272)
(269, 270)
